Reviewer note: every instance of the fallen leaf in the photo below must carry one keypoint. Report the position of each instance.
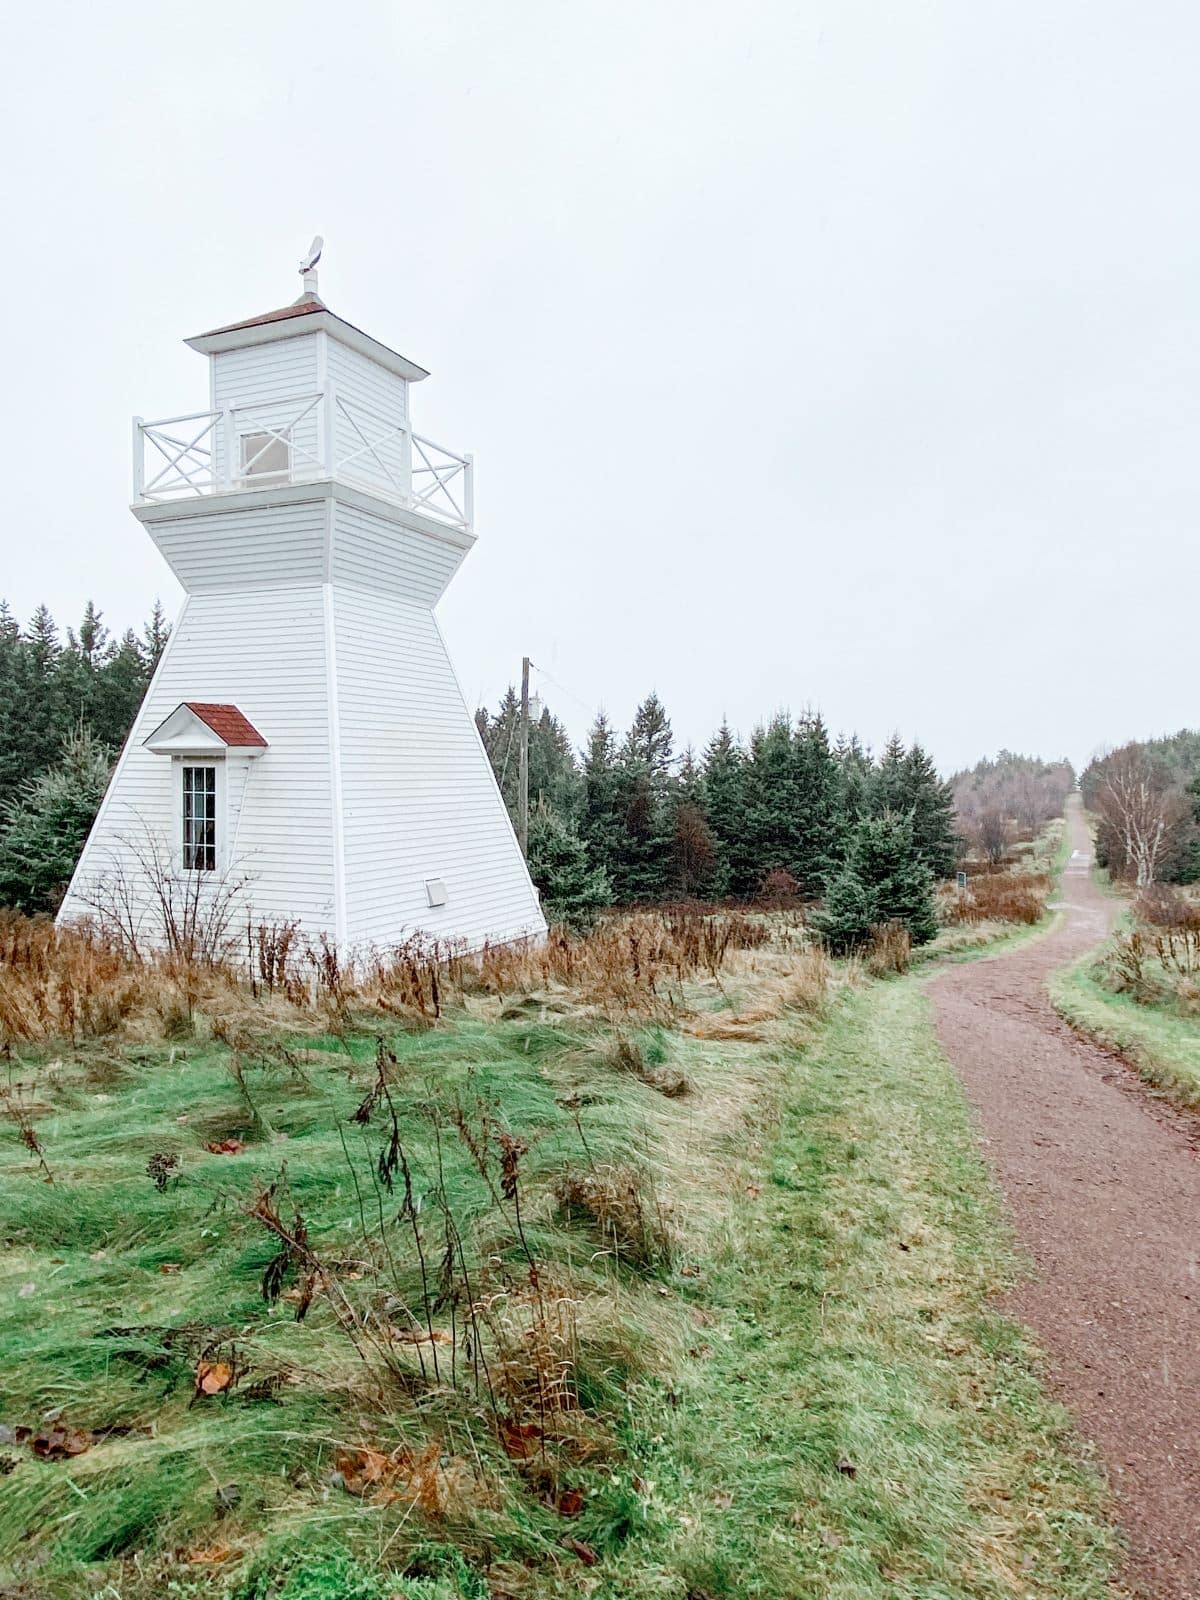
(213, 1377)
(570, 1503)
(754, 1190)
(169, 1267)
(53, 1444)
(520, 1439)
(224, 1147)
(847, 1468)
(363, 1469)
(211, 1557)
(577, 1548)
(723, 1499)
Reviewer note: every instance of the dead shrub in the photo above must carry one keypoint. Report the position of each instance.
(1018, 897)
(1163, 906)
(614, 1203)
(889, 950)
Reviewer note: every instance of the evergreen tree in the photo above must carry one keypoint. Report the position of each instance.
(883, 880)
(930, 804)
(725, 810)
(820, 821)
(43, 829)
(855, 772)
(772, 836)
(154, 636)
(887, 785)
(641, 868)
(572, 889)
(600, 822)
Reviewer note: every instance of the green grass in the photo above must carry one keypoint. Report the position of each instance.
(828, 1305)
(1161, 1044)
(113, 1291)
(849, 1322)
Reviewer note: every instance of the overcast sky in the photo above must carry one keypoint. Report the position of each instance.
(822, 354)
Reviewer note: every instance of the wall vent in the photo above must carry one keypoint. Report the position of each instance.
(435, 891)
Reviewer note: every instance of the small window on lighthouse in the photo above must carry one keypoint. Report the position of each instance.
(199, 819)
(265, 455)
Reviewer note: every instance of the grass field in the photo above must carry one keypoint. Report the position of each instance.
(698, 1304)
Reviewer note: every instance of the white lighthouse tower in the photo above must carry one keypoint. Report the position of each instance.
(304, 738)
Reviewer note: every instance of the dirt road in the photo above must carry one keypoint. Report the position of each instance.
(1104, 1187)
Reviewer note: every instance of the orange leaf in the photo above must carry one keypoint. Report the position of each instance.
(213, 1377)
(52, 1444)
(224, 1147)
(362, 1469)
(211, 1557)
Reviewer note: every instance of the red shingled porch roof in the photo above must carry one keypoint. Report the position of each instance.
(227, 722)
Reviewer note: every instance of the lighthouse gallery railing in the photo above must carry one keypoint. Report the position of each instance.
(294, 440)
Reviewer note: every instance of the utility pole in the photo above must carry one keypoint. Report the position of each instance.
(523, 770)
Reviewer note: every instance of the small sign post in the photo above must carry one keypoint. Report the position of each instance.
(962, 880)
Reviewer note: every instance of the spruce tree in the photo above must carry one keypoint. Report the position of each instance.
(883, 880)
(600, 822)
(819, 820)
(573, 890)
(772, 834)
(887, 784)
(725, 808)
(42, 830)
(930, 804)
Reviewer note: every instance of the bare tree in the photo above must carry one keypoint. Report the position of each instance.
(1141, 811)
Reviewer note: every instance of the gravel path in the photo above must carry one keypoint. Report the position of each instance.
(1103, 1183)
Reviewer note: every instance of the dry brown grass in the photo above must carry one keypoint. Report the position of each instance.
(79, 983)
(889, 951)
(1017, 897)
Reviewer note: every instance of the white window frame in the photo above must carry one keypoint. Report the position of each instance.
(260, 442)
(217, 762)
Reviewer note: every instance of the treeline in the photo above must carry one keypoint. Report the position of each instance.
(1009, 798)
(1146, 800)
(781, 817)
(66, 705)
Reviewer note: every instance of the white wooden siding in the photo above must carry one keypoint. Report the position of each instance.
(271, 378)
(377, 401)
(374, 552)
(261, 546)
(263, 651)
(418, 793)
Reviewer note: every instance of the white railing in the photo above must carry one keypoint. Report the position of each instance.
(294, 441)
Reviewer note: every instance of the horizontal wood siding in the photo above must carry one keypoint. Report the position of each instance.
(376, 403)
(263, 651)
(271, 378)
(419, 799)
(371, 552)
(269, 545)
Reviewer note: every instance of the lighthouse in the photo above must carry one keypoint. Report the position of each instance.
(304, 752)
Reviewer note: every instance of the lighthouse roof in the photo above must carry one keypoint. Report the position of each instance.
(309, 314)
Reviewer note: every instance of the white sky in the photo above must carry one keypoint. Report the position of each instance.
(832, 354)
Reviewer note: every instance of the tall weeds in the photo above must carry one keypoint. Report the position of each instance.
(81, 982)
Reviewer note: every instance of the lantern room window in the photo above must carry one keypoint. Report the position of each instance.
(200, 818)
(265, 455)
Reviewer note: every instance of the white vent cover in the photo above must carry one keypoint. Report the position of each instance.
(435, 891)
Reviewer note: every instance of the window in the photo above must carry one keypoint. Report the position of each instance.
(199, 819)
(265, 455)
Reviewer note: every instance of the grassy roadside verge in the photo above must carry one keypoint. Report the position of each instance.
(1164, 1048)
(858, 1419)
